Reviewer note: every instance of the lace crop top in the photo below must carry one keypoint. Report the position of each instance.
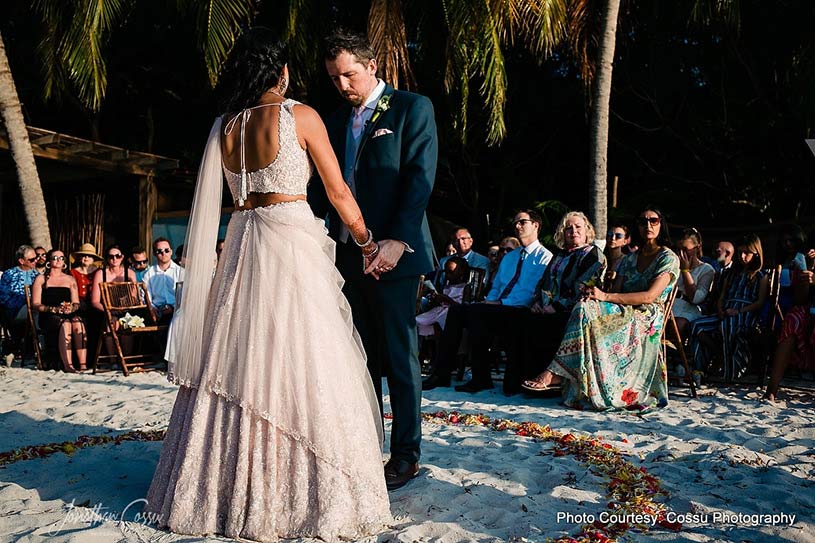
(288, 173)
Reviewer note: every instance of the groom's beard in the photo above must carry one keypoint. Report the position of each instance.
(353, 98)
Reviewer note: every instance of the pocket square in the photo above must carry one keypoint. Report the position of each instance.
(381, 132)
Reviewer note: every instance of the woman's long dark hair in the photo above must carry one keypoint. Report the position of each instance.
(255, 65)
(664, 237)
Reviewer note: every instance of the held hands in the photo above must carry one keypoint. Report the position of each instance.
(385, 259)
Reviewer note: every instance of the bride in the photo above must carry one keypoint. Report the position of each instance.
(275, 432)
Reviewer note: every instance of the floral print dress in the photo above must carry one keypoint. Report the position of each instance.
(611, 356)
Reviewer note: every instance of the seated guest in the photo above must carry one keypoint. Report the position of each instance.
(578, 262)
(114, 271)
(13, 311)
(450, 250)
(40, 263)
(507, 245)
(791, 260)
(86, 263)
(161, 279)
(463, 242)
(796, 342)
(219, 248)
(695, 279)
(431, 322)
(617, 240)
(511, 293)
(138, 262)
(742, 298)
(724, 256)
(55, 295)
(611, 356)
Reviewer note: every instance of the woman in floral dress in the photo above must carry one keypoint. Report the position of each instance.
(610, 356)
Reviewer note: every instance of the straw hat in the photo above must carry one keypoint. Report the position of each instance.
(86, 249)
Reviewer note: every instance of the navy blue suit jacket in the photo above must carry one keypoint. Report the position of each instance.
(394, 176)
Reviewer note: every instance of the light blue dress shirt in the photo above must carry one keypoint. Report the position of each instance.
(535, 262)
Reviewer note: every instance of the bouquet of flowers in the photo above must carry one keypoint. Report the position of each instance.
(131, 321)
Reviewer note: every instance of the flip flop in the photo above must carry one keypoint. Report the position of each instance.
(535, 386)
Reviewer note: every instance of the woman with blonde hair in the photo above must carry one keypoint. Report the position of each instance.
(577, 263)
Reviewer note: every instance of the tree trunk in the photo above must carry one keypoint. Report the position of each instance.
(12, 114)
(598, 209)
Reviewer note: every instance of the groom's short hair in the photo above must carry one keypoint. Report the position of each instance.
(345, 41)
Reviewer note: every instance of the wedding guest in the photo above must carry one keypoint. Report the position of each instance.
(610, 356)
(796, 342)
(695, 280)
(431, 322)
(138, 262)
(13, 310)
(724, 256)
(577, 263)
(788, 255)
(86, 262)
(463, 244)
(161, 279)
(41, 261)
(450, 250)
(510, 296)
(617, 240)
(55, 295)
(740, 303)
(494, 255)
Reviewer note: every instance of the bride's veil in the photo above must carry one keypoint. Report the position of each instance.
(199, 250)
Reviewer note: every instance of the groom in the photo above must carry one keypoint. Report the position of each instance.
(386, 144)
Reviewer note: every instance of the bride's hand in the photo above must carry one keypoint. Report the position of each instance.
(390, 251)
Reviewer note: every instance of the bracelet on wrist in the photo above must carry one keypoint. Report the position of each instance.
(368, 240)
(685, 270)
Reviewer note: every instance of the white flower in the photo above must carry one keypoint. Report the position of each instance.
(131, 321)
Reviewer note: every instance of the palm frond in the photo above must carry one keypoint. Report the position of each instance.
(219, 24)
(584, 27)
(708, 12)
(79, 32)
(386, 32)
(303, 48)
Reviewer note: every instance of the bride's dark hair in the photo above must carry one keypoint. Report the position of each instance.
(255, 65)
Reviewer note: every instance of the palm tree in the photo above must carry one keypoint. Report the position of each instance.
(12, 114)
(598, 152)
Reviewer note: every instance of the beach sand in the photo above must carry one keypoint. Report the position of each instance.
(725, 452)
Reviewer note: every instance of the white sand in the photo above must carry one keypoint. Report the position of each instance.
(724, 451)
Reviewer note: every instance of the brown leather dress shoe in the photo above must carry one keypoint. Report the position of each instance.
(399, 472)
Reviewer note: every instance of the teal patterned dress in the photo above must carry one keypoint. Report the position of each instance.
(610, 356)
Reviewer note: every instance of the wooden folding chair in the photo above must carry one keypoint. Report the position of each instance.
(32, 330)
(118, 299)
(670, 323)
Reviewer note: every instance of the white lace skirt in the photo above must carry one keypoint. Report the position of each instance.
(281, 439)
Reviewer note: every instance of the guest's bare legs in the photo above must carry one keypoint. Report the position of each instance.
(64, 340)
(783, 354)
(80, 344)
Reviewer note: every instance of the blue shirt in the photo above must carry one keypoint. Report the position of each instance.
(12, 287)
(535, 261)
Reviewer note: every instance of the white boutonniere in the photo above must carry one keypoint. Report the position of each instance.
(383, 105)
(131, 321)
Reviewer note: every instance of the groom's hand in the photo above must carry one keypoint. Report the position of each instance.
(390, 251)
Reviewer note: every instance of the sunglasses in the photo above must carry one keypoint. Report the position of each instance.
(57, 259)
(615, 235)
(492, 253)
(643, 221)
(139, 262)
(115, 255)
(40, 255)
(162, 251)
(32, 259)
(506, 249)
(521, 222)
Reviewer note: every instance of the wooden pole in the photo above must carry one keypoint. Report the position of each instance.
(614, 191)
(148, 198)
